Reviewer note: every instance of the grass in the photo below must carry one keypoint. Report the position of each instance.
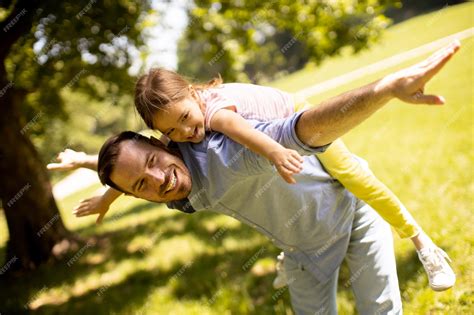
(147, 259)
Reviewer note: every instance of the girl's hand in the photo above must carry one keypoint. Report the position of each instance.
(287, 163)
(91, 206)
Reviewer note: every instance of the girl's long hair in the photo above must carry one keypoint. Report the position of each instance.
(160, 87)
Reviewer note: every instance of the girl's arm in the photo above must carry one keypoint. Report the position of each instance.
(98, 204)
(359, 180)
(231, 124)
(69, 160)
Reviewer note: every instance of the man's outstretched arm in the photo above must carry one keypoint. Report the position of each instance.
(334, 117)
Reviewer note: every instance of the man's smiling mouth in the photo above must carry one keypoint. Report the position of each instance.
(171, 182)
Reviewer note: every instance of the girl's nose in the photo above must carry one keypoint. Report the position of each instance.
(187, 132)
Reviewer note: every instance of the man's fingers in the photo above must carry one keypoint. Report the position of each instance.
(441, 52)
(434, 66)
(428, 99)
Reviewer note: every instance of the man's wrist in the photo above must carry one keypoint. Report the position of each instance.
(385, 87)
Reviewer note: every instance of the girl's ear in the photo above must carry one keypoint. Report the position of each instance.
(192, 90)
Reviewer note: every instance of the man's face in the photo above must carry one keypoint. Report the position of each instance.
(151, 172)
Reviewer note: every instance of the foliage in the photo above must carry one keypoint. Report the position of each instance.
(74, 61)
(254, 40)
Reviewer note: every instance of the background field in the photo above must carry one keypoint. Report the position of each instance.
(151, 260)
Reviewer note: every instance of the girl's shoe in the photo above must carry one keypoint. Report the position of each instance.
(440, 274)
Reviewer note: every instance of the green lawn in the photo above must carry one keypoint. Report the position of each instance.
(151, 260)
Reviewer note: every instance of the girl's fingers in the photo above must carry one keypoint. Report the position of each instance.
(291, 168)
(296, 163)
(297, 156)
(286, 175)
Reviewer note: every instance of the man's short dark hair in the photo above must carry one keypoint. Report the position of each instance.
(109, 153)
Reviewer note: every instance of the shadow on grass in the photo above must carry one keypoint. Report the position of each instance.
(208, 273)
(131, 293)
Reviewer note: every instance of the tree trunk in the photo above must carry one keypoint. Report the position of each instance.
(33, 219)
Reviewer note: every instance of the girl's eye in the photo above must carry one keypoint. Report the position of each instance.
(170, 132)
(152, 161)
(185, 116)
(143, 186)
(142, 183)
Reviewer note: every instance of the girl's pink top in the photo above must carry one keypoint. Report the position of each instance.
(248, 100)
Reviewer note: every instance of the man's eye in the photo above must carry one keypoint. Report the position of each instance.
(170, 132)
(185, 116)
(142, 185)
(152, 161)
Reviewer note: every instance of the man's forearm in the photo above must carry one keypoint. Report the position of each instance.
(336, 116)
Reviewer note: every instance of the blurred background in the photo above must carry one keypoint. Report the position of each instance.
(67, 75)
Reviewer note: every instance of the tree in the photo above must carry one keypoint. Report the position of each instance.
(48, 47)
(251, 40)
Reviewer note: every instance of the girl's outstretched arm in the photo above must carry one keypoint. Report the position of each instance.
(97, 204)
(286, 161)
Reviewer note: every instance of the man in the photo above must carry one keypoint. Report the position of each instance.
(316, 221)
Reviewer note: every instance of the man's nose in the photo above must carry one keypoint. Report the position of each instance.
(157, 177)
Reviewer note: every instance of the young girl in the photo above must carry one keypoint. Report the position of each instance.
(184, 112)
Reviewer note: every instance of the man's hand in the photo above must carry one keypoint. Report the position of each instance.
(335, 117)
(287, 163)
(408, 84)
(90, 206)
(69, 160)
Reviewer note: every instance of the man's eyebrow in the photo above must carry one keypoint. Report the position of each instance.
(144, 166)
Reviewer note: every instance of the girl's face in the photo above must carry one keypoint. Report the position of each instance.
(181, 121)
